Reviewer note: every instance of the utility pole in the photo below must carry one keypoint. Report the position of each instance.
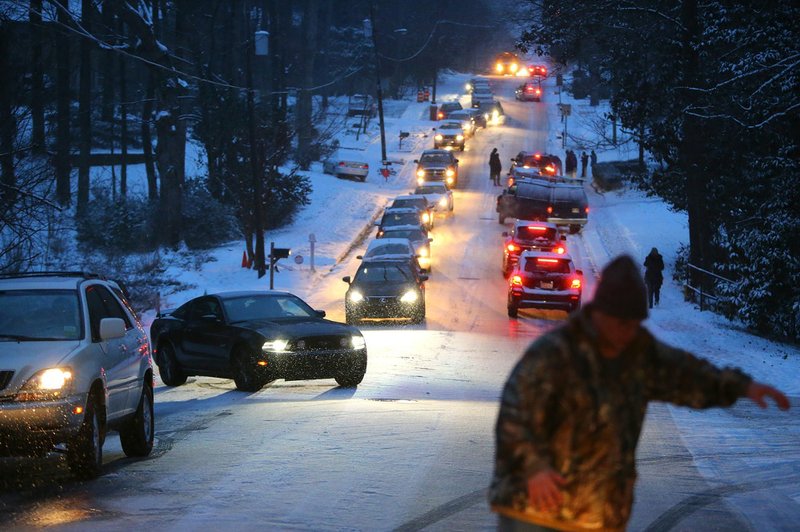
(254, 166)
(370, 28)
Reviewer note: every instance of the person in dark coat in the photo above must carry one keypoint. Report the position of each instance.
(571, 163)
(584, 163)
(572, 410)
(495, 167)
(653, 276)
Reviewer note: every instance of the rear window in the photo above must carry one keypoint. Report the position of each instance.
(536, 232)
(530, 190)
(404, 218)
(570, 194)
(546, 265)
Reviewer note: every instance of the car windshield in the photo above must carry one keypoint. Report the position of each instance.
(377, 273)
(436, 158)
(536, 232)
(401, 218)
(546, 265)
(48, 315)
(411, 234)
(453, 125)
(388, 249)
(266, 307)
(415, 203)
(429, 189)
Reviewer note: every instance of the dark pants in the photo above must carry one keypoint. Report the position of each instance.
(653, 293)
(495, 176)
(507, 524)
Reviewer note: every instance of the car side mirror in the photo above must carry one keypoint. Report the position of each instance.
(423, 278)
(320, 313)
(360, 257)
(346, 279)
(505, 233)
(111, 328)
(579, 272)
(209, 317)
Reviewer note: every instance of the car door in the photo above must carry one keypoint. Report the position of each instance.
(120, 356)
(206, 338)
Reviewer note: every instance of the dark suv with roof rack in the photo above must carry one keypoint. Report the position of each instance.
(75, 363)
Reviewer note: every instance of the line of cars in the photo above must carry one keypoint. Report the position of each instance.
(389, 284)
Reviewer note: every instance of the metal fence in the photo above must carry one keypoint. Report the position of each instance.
(703, 293)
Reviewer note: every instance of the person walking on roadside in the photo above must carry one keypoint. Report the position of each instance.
(653, 276)
(495, 167)
(593, 160)
(572, 410)
(571, 163)
(584, 163)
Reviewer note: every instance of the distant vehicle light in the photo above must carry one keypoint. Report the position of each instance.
(450, 172)
(443, 202)
(537, 228)
(499, 67)
(409, 297)
(459, 137)
(576, 283)
(420, 173)
(549, 209)
(560, 250)
(450, 180)
(511, 247)
(439, 136)
(549, 261)
(516, 280)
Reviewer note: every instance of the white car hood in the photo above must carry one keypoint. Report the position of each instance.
(26, 358)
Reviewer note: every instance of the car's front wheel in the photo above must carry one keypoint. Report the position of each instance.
(168, 368)
(85, 449)
(513, 311)
(137, 434)
(244, 373)
(353, 377)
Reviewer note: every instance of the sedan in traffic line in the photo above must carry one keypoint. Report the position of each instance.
(255, 337)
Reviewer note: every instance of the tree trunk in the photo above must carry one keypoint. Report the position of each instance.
(37, 77)
(107, 109)
(63, 138)
(147, 138)
(123, 127)
(304, 104)
(85, 108)
(8, 124)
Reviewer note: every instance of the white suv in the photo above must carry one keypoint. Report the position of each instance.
(74, 363)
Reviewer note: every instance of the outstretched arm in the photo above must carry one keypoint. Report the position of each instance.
(758, 392)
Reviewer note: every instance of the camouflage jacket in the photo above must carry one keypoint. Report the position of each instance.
(565, 407)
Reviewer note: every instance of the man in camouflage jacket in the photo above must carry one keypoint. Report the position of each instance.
(572, 410)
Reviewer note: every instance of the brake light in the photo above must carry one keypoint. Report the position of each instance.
(549, 209)
(550, 169)
(537, 156)
(536, 228)
(560, 250)
(549, 261)
(341, 163)
(576, 283)
(516, 280)
(530, 89)
(587, 210)
(440, 115)
(511, 247)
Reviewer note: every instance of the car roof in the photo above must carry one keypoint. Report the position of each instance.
(388, 242)
(546, 255)
(399, 210)
(410, 197)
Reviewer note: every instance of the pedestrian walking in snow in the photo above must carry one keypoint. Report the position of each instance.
(584, 163)
(495, 167)
(571, 163)
(593, 160)
(653, 276)
(572, 409)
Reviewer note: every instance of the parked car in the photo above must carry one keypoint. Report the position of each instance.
(478, 117)
(449, 135)
(467, 121)
(414, 201)
(346, 168)
(544, 280)
(418, 237)
(361, 105)
(385, 290)
(493, 112)
(437, 165)
(75, 364)
(529, 92)
(528, 235)
(253, 337)
(507, 64)
(393, 217)
(446, 108)
(438, 194)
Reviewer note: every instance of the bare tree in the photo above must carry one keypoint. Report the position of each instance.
(63, 136)
(85, 107)
(37, 76)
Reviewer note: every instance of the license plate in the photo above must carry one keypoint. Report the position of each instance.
(576, 211)
(546, 284)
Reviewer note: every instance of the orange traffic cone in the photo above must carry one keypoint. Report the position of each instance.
(245, 262)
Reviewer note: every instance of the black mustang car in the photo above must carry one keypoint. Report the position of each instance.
(385, 289)
(255, 337)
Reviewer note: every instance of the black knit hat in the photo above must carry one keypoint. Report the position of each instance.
(621, 291)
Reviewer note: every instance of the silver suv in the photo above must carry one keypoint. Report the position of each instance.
(75, 363)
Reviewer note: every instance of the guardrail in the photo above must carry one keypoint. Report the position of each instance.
(705, 291)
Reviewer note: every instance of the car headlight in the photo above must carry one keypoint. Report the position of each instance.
(409, 297)
(278, 345)
(425, 217)
(450, 180)
(439, 137)
(459, 137)
(450, 172)
(48, 384)
(514, 67)
(356, 296)
(443, 202)
(423, 252)
(359, 342)
(420, 173)
(499, 67)
(420, 180)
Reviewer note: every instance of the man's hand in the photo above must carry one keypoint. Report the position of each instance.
(544, 490)
(757, 392)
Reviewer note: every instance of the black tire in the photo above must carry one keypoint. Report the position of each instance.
(169, 370)
(574, 229)
(137, 435)
(576, 307)
(352, 378)
(85, 449)
(501, 219)
(244, 374)
(363, 178)
(513, 311)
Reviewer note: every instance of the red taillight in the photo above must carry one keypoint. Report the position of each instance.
(365, 166)
(341, 163)
(549, 209)
(516, 280)
(560, 250)
(537, 156)
(576, 283)
(586, 210)
(536, 228)
(530, 89)
(440, 115)
(550, 261)
(511, 247)
(550, 169)
(538, 92)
